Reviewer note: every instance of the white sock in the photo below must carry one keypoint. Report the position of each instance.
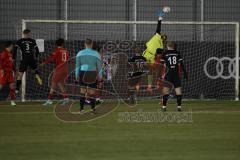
(164, 106)
(179, 107)
(160, 18)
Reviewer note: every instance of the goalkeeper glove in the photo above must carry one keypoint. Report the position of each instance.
(161, 14)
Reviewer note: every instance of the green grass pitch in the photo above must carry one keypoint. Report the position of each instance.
(31, 131)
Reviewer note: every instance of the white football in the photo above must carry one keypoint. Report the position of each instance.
(166, 9)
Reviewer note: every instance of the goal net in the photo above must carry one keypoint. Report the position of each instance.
(209, 49)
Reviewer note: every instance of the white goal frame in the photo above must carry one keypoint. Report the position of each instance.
(236, 24)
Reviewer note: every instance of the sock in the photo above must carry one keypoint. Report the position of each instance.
(93, 102)
(12, 94)
(18, 85)
(64, 95)
(150, 79)
(165, 99)
(179, 100)
(130, 91)
(50, 96)
(82, 101)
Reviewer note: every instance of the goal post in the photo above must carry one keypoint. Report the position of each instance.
(213, 30)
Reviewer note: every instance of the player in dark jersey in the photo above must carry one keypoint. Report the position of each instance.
(29, 54)
(137, 68)
(173, 62)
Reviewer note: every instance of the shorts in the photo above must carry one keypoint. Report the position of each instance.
(88, 79)
(6, 78)
(29, 63)
(135, 78)
(59, 75)
(173, 79)
(149, 57)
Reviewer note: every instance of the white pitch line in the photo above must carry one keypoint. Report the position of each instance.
(24, 113)
(194, 112)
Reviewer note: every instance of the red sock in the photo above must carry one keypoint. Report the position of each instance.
(64, 95)
(12, 94)
(50, 96)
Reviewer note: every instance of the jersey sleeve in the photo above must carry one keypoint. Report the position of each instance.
(6, 64)
(16, 47)
(78, 64)
(154, 43)
(36, 48)
(179, 58)
(163, 58)
(51, 58)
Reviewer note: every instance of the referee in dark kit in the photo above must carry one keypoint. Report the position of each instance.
(88, 73)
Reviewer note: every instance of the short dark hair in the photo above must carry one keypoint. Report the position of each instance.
(26, 31)
(159, 51)
(60, 42)
(8, 44)
(88, 41)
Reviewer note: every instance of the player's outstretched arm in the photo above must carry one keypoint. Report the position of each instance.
(161, 15)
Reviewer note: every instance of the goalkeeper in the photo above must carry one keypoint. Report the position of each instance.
(155, 46)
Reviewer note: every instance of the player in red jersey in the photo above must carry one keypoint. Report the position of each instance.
(6, 70)
(60, 56)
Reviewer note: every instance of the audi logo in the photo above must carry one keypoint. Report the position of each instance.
(231, 68)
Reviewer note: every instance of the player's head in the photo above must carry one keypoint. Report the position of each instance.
(171, 46)
(137, 51)
(26, 33)
(89, 43)
(60, 42)
(164, 38)
(159, 51)
(8, 46)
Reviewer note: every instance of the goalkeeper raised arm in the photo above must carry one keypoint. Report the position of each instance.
(155, 46)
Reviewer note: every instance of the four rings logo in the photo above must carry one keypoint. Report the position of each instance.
(231, 68)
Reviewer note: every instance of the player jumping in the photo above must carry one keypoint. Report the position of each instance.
(60, 56)
(6, 70)
(155, 46)
(137, 69)
(173, 62)
(29, 54)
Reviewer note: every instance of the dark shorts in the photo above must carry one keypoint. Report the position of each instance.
(24, 64)
(134, 79)
(88, 79)
(174, 79)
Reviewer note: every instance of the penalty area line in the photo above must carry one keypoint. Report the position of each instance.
(194, 112)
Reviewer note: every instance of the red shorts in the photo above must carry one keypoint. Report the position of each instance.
(6, 78)
(59, 75)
